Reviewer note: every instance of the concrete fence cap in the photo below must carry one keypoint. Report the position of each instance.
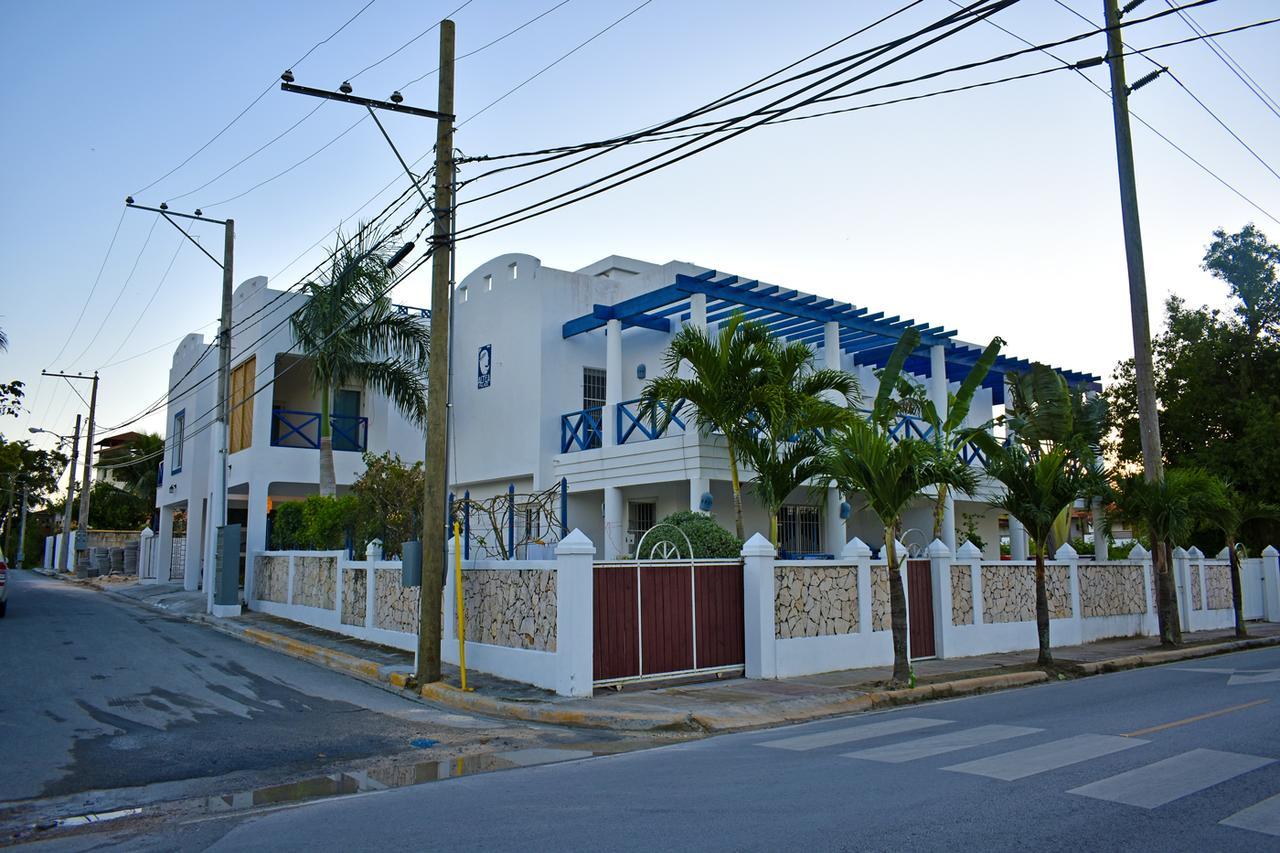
(1066, 552)
(758, 546)
(575, 543)
(1269, 551)
(1179, 553)
(1195, 553)
(1138, 551)
(1225, 554)
(938, 548)
(855, 547)
(969, 550)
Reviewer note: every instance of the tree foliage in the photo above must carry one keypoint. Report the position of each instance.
(706, 537)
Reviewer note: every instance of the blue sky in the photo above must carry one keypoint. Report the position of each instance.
(991, 212)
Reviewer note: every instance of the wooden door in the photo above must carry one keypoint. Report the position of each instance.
(920, 608)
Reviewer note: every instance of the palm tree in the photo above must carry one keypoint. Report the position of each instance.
(722, 391)
(1037, 490)
(784, 444)
(1167, 510)
(1230, 512)
(862, 457)
(352, 333)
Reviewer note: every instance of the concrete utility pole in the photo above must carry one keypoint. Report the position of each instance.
(433, 514)
(88, 445)
(22, 529)
(66, 510)
(1148, 414)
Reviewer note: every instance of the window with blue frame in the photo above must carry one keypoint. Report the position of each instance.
(178, 436)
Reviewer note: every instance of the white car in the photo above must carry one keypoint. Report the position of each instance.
(4, 584)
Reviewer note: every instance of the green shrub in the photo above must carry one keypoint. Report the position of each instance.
(707, 537)
(388, 498)
(316, 524)
(286, 526)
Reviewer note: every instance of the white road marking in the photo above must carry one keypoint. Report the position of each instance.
(542, 755)
(1046, 756)
(897, 753)
(1171, 779)
(849, 734)
(1260, 817)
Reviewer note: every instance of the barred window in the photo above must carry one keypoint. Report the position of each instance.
(799, 529)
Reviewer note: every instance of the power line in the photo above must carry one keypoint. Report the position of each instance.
(123, 287)
(546, 68)
(255, 101)
(138, 319)
(93, 289)
(409, 42)
(1230, 61)
(159, 346)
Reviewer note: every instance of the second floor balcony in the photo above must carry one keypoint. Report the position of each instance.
(293, 428)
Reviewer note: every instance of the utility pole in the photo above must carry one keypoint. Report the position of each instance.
(88, 448)
(434, 509)
(66, 510)
(1144, 373)
(22, 529)
(221, 431)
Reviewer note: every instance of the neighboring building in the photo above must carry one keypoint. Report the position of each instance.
(548, 365)
(108, 454)
(274, 435)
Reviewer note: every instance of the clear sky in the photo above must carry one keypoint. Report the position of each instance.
(992, 212)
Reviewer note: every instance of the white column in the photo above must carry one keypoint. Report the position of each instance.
(969, 553)
(938, 394)
(1017, 539)
(612, 383)
(758, 604)
(698, 320)
(255, 533)
(1068, 555)
(162, 546)
(1182, 583)
(857, 550)
(940, 582)
(836, 531)
(1100, 550)
(697, 487)
(1271, 583)
(1195, 557)
(575, 612)
(615, 532)
(197, 518)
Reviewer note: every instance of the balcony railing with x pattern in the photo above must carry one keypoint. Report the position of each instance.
(581, 430)
(291, 428)
(632, 420)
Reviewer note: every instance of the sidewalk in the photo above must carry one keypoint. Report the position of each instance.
(704, 707)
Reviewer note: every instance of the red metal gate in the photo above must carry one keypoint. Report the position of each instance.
(659, 619)
(920, 608)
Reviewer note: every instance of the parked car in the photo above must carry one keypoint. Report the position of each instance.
(4, 584)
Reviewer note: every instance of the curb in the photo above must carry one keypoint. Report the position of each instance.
(1174, 655)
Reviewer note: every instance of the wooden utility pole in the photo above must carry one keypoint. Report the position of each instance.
(221, 428)
(1144, 373)
(65, 563)
(433, 514)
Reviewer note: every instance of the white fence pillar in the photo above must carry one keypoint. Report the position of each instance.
(1067, 554)
(1017, 540)
(857, 550)
(972, 555)
(1271, 584)
(940, 581)
(759, 620)
(1100, 550)
(575, 614)
(1182, 583)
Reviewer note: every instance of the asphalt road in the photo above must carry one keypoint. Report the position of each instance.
(105, 703)
(1180, 757)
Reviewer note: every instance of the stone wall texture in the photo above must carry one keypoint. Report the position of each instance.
(395, 607)
(1197, 599)
(1009, 592)
(1111, 590)
(1217, 586)
(516, 609)
(355, 586)
(815, 602)
(271, 579)
(315, 582)
(961, 595)
(881, 617)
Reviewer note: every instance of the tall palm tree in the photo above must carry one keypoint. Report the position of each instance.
(351, 332)
(721, 392)
(784, 444)
(863, 457)
(1230, 512)
(1167, 510)
(1037, 490)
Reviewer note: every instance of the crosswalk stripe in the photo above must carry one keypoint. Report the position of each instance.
(1021, 763)
(1260, 817)
(866, 731)
(896, 753)
(1171, 779)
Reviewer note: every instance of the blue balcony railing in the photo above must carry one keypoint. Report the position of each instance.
(581, 430)
(631, 422)
(291, 428)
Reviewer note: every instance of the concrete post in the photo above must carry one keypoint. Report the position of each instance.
(971, 554)
(1182, 582)
(938, 394)
(758, 602)
(940, 582)
(146, 553)
(1271, 584)
(612, 383)
(858, 551)
(1100, 549)
(698, 320)
(615, 534)
(1017, 540)
(836, 531)
(575, 614)
(1068, 555)
(255, 534)
(1195, 557)
(1140, 555)
(163, 545)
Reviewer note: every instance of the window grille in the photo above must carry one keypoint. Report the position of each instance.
(799, 529)
(593, 385)
(641, 516)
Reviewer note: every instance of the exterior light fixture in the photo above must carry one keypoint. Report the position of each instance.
(845, 509)
(704, 503)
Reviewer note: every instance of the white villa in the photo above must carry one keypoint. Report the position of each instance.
(548, 366)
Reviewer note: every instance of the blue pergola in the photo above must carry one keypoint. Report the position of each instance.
(797, 316)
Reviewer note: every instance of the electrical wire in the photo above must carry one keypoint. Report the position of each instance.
(160, 346)
(92, 289)
(1230, 61)
(409, 42)
(123, 287)
(154, 293)
(270, 86)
